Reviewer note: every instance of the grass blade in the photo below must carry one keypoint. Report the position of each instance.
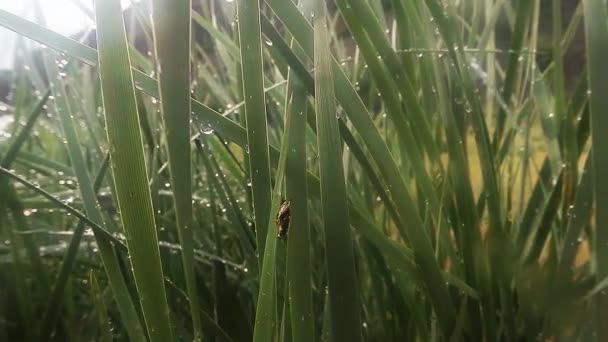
(342, 279)
(172, 34)
(128, 165)
(266, 311)
(255, 113)
(596, 33)
(299, 269)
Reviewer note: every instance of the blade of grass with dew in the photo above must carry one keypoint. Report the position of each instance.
(299, 269)
(44, 36)
(568, 126)
(172, 33)
(248, 12)
(596, 33)
(578, 216)
(340, 260)
(128, 165)
(89, 198)
(294, 60)
(266, 326)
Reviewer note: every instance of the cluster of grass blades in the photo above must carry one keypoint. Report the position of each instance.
(441, 159)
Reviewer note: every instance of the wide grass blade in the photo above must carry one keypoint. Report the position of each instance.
(128, 166)
(172, 45)
(596, 33)
(342, 279)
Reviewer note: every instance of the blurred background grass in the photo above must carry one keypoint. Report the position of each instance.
(436, 155)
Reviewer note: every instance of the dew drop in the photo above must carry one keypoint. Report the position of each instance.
(206, 129)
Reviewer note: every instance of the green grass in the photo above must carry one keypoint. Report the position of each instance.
(442, 161)
(129, 170)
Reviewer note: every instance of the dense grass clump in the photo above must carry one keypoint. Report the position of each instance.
(438, 166)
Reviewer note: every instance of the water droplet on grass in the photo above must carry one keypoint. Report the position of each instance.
(206, 129)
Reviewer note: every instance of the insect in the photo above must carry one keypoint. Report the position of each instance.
(282, 220)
